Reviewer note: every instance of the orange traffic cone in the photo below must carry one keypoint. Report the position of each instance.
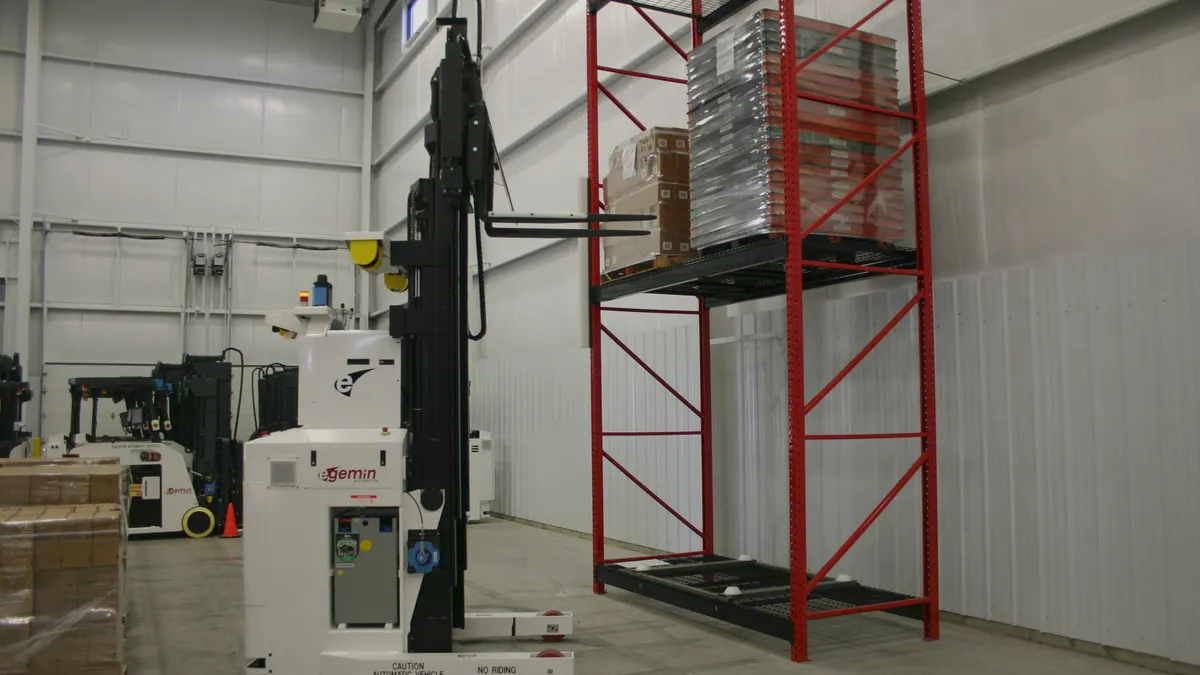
(231, 528)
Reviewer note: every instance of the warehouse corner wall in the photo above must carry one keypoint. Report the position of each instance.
(185, 126)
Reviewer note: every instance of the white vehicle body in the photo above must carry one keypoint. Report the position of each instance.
(162, 500)
(330, 583)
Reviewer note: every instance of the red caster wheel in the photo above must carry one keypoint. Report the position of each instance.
(549, 654)
(553, 638)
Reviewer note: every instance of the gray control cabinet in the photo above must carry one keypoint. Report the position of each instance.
(365, 557)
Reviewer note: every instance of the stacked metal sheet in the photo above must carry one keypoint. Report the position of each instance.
(734, 97)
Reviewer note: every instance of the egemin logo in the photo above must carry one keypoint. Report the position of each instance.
(334, 474)
(345, 384)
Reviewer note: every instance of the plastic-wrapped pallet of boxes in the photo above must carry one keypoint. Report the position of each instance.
(734, 97)
(62, 601)
(648, 175)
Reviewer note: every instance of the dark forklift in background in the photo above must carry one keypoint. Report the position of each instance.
(197, 396)
(14, 393)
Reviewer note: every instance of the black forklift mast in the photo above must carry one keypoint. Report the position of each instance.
(139, 394)
(14, 392)
(196, 395)
(434, 325)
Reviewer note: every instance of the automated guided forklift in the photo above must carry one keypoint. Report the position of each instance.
(14, 393)
(356, 522)
(196, 397)
(185, 464)
(162, 497)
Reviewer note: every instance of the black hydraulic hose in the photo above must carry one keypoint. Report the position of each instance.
(254, 375)
(237, 418)
(479, 271)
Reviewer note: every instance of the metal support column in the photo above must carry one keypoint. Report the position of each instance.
(29, 142)
(797, 493)
(929, 531)
(593, 151)
(362, 285)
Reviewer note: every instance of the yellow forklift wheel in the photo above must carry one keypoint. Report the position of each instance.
(198, 522)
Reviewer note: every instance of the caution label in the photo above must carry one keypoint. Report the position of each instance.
(408, 668)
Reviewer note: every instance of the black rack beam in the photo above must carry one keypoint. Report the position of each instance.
(758, 270)
(698, 583)
(711, 13)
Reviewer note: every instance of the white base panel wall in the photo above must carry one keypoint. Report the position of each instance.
(537, 408)
(1067, 463)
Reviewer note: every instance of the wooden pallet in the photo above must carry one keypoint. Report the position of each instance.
(656, 262)
(736, 243)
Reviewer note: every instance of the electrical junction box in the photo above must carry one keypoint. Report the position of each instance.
(482, 469)
(337, 15)
(366, 562)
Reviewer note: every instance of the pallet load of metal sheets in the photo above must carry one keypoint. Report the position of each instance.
(737, 171)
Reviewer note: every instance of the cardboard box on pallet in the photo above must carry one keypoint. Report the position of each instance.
(57, 461)
(648, 175)
(56, 484)
(61, 589)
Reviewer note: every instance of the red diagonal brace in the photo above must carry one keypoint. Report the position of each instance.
(872, 269)
(653, 496)
(662, 33)
(845, 34)
(870, 178)
(645, 366)
(870, 520)
(837, 379)
(620, 106)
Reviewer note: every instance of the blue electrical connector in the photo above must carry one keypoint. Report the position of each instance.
(423, 557)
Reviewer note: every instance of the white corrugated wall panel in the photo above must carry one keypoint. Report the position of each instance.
(263, 41)
(12, 83)
(10, 174)
(541, 432)
(92, 183)
(166, 109)
(1065, 458)
(12, 24)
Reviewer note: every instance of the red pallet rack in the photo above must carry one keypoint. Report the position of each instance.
(799, 262)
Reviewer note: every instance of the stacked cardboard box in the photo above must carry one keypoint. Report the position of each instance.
(648, 175)
(61, 579)
(55, 484)
(57, 461)
(62, 538)
(735, 100)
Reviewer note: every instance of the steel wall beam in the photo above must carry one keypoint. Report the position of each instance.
(29, 141)
(362, 285)
(119, 65)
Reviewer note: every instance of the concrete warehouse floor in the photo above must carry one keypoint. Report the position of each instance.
(185, 618)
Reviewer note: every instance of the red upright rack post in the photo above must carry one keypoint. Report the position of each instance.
(598, 331)
(929, 532)
(797, 499)
(593, 145)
